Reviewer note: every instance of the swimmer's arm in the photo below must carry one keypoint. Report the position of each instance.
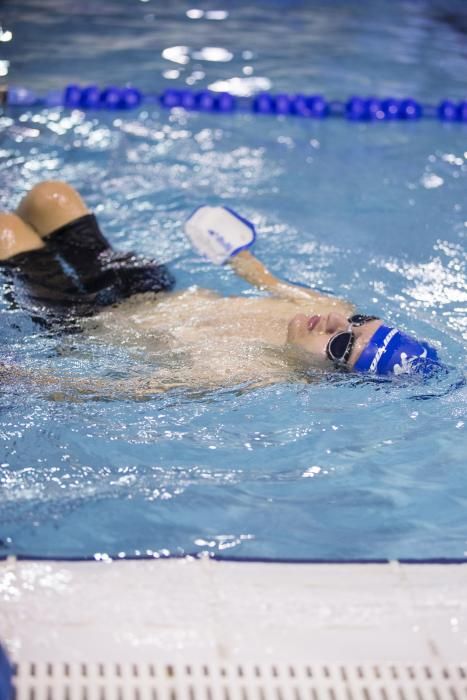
(253, 271)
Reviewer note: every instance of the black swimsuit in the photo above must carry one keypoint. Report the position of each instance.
(77, 273)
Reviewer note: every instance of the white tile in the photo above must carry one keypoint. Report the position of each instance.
(182, 609)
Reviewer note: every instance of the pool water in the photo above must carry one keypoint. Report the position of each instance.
(341, 468)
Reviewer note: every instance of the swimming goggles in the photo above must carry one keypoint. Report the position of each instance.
(340, 345)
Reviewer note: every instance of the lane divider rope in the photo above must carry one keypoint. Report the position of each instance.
(355, 108)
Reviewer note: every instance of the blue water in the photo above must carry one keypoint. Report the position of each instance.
(343, 468)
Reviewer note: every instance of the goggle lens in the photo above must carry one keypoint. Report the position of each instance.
(340, 346)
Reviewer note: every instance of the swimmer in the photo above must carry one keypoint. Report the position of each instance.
(66, 275)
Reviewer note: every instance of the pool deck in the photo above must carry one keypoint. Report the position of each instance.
(311, 619)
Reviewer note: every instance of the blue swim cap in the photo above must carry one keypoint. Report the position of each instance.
(391, 352)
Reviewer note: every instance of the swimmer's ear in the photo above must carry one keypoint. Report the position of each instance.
(219, 233)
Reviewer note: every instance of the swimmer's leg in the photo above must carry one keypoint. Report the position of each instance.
(51, 205)
(16, 237)
(39, 284)
(61, 217)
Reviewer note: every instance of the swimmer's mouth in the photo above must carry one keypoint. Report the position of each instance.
(313, 322)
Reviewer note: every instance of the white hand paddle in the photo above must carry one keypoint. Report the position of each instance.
(219, 233)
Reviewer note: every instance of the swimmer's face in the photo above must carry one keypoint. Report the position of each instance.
(313, 333)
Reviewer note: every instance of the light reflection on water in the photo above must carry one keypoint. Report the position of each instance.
(341, 467)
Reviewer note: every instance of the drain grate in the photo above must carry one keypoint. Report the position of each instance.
(152, 681)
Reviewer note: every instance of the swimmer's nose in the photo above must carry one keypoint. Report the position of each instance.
(336, 322)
